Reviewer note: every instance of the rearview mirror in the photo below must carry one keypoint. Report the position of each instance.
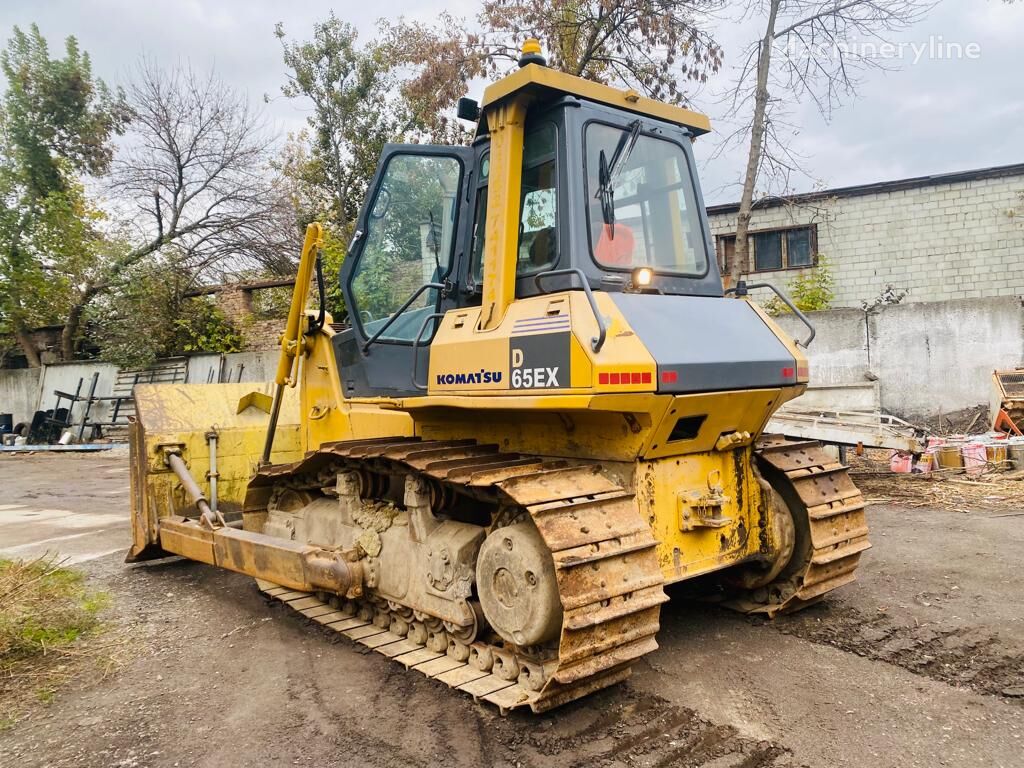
(381, 204)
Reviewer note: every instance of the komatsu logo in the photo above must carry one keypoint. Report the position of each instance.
(476, 377)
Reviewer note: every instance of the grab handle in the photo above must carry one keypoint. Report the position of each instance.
(743, 288)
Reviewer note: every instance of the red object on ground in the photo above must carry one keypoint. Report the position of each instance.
(1005, 424)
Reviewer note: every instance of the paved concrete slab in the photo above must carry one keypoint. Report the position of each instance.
(76, 505)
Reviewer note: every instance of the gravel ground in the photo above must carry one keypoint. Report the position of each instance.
(920, 663)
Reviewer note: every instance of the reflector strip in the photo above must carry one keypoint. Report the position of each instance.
(788, 373)
(669, 377)
(620, 378)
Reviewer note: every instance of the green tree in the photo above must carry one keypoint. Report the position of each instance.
(56, 124)
(354, 113)
(361, 101)
(133, 322)
(146, 315)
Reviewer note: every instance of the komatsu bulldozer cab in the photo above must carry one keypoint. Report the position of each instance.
(632, 204)
(597, 186)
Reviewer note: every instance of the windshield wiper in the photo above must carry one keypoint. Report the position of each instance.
(608, 173)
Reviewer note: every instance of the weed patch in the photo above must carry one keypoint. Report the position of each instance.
(45, 610)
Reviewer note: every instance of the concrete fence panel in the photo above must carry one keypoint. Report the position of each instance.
(928, 358)
(18, 392)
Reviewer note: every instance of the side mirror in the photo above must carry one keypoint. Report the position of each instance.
(381, 204)
(468, 109)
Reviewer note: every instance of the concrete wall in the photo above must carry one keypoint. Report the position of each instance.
(18, 391)
(65, 376)
(25, 391)
(255, 366)
(940, 357)
(926, 359)
(942, 241)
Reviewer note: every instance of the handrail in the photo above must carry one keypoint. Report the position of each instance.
(742, 287)
(416, 348)
(598, 341)
(396, 315)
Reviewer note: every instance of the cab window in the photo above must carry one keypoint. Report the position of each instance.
(538, 207)
(642, 203)
(538, 230)
(409, 242)
(476, 259)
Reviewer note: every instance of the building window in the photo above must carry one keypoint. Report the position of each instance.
(770, 250)
(799, 248)
(767, 251)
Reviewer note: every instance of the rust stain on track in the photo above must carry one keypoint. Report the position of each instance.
(832, 530)
(609, 582)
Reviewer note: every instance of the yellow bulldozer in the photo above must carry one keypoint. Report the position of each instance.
(546, 409)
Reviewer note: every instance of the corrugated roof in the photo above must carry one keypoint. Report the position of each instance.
(879, 187)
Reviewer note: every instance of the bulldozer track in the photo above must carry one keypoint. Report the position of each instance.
(833, 508)
(609, 582)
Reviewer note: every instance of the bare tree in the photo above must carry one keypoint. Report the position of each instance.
(193, 184)
(816, 50)
(196, 167)
(652, 45)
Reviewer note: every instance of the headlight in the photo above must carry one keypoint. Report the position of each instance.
(642, 277)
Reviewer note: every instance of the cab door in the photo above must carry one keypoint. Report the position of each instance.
(401, 271)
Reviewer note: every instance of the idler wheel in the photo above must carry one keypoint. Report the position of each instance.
(784, 535)
(515, 579)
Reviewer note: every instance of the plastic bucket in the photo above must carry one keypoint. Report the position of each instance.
(997, 454)
(901, 462)
(1016, 452)
(949, 457)
(925, 464)
(975, 458)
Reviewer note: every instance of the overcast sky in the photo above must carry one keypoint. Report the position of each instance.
(934, 115)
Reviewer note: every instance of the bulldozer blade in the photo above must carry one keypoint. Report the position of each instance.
(177, 418)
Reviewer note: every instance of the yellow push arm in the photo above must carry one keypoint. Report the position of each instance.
(291, 340)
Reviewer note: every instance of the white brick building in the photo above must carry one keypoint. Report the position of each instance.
(954, 236)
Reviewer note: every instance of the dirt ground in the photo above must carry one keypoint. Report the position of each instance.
(920, 663)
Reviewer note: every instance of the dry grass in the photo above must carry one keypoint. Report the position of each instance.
(994, 490)
(46, 614)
